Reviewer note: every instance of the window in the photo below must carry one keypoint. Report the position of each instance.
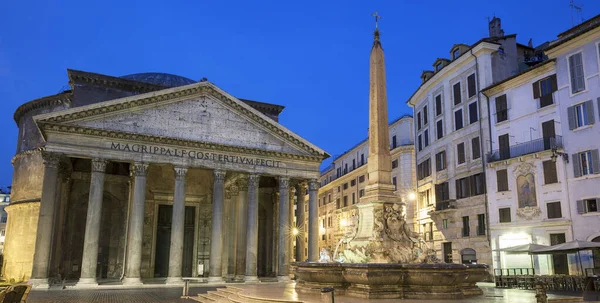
(362, 159)
(353, 164)
(431, 231)
(460, 153)
(440, 161)
(550, 175)
(361, 193)
(586, 163)
(394, 141)
(554, 211)
(345, 201)
(419, 142)
(345, 168)
(353, 198)
(456, 93)
(338, 189)
(426, 136)
(466, 230)
(337, 203)
(424, 197)
(438, 105)
(504, 214)
(581, 115)
(419, 121)
(438, 67)
(2, 233)
(447, 251)
(470, 186)
(444, 223)
(455, 54)
(471, 85)
(425, 114)
(481, 224)
(394, 163)
(3, 219)
(473, 115)
(504, 143)
(352, 182)
(440, 129)
(442, 192)
(588, 205)
(458, 119)
(475, 148)
(424, 169)
(576, 72)
(395, 183)
(501, 109)
(468, 256)
(543, 90)
(502, 180)
(361, 179)
(345, 186)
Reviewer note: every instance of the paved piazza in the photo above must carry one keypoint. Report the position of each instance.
(271, 290)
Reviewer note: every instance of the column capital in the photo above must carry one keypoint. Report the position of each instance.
(219, 176)
(242, 182)
(313, 184)
(301, 188)
(51, 159)
(99, 165)
(284, 183)
(180, 172)
(64, 171)
(139, 169)
(228, 193)
(253, 180)
(292, 191)
(234, 190)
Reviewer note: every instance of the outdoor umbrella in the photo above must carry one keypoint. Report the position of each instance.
(569, 247)
(524, 248)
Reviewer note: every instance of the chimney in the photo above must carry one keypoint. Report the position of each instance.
(495, 28)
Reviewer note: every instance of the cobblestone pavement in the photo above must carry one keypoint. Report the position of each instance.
(148, 295)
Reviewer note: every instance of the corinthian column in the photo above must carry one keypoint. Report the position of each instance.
(43, 241)
(300, 195)
(135, 230)
(283, 243)
(241, 225)
(231, 240)
(292, 197)
(252, 230)
(177, 227)
(89, 260)
(216, 238)
(313, 221)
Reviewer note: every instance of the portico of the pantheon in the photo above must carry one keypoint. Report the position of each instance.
(155, 175)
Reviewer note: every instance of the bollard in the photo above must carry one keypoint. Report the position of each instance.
(540, 292)
(327, 295)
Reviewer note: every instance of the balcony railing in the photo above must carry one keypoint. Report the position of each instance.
(443, 205)
(525, 148)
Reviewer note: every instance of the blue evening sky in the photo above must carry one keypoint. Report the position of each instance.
(310, 56)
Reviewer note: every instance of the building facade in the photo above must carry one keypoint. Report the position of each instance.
(153, 175)
(451, 129)
(4, 200)
(343, 182)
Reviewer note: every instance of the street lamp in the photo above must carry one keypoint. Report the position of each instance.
(556, 153)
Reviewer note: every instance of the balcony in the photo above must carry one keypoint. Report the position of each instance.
(525, 148)
(443, 205)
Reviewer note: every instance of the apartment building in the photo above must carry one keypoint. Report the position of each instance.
(451, 128)
(344, 181)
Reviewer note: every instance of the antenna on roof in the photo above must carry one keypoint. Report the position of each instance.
(578, 10)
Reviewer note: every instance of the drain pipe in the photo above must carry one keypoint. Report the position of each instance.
(483, 162)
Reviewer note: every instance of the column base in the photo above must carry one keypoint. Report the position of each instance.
(251, 279)
(86, 283)
(132, 281)
(39, 283)
(174, 281)
(238, 278)
(284, 279)
(216, 280)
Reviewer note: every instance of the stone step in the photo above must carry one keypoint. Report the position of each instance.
(565, 300)
(213, 296)
(207, 298)
(217, 293)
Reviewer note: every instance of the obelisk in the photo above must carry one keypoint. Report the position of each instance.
(379, 189)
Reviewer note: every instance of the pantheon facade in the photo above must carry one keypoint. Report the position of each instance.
(156, 176)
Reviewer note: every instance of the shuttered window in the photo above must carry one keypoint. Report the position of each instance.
(576, 72)
(394, 163)
(456, 93)
(476, 149)
(504, 215)
(502, 180)
(426, 137)
(586, 163)
(425, 115)
(471, 85)
(438, 105)
(424, 169)
(440, 161)
(543, 90)
(554, 211)
(501, 109)
(460, 152)
(473, 114)
(458, 119)
(581, 115)
(442, 192)
(440, 129)
(550, 175)
(588, 205)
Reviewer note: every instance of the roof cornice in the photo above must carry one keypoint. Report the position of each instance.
(520, 79)
(77, 76)
(574, 41)
(58, 99)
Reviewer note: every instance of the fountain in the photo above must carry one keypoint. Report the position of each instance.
(382, 257)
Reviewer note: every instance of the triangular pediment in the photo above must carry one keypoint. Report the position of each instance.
(195, 113)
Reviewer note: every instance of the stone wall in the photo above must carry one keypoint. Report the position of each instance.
(21, 228)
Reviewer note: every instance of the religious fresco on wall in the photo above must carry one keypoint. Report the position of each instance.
(526, 191)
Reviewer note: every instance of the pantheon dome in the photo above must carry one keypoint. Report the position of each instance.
(162, 79)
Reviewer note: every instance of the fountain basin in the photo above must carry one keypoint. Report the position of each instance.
(392, 281)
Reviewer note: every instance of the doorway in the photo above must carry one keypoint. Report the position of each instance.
(163, 241)
(560, 261)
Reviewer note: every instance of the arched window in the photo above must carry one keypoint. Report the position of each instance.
(468, 256)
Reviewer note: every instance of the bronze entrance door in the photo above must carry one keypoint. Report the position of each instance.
(163, 241)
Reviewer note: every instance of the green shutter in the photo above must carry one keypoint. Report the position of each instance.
(553, 83)
(576, 165)
(571, 115)
(589, 108)
(536, 89)
(581, 209)
(595, 162)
